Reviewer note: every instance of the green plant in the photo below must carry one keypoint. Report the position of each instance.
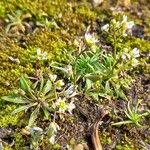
(87, 64)
(111, 78)
(41, 95)
(16, 21)
(116, 31)
(104, 73)
(133, 115)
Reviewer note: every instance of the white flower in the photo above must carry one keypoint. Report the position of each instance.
(59, 84)
(52, 77)
(130, 24)
(70, 107)
(60, 104)
(124, 57)
(116, 23)
(69, 70)
(124, 19)
(136, 52)
(52, 139)
(105, 28)
(40, 55)
(90, 39)
(135, 62)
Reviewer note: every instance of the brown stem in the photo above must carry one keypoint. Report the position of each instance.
(95, 135)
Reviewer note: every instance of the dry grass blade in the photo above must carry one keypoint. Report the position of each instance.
(94, 132)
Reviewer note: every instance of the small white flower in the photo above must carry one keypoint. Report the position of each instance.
(116, 23)
(61, 105)
(124, 57)
(124, 19)
(69, 69)
(52, 139)
(105, 28)
(90, 39)
(71, 106)
(130, 24)
(40, 55)
(52, 77)
(136, 52)
(59, 84)
(125, 34)
(135, 62)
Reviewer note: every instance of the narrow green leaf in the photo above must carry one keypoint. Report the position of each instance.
(121, 94)
(139, 125)
(88, 84)
(34, 86)
(42, 83)
(33, 116)
(122, 122)
(107, 86)
(46, 113)
(93, 77)
(47, 87)
(94, 96)
(22, 108)
(137, 105)
(129, 109)
(25, 84)
(130, 117)
(15, 99)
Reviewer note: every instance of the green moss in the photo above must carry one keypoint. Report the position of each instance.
(144, 47)
(53, 43)
(10, 70)
(105, 138)
(125, 146)
(86, 12)
(6, 117)
(8, 148)
(2, 10)
(141, 44)
(19, 141)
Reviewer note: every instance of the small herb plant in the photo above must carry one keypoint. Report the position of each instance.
(102, 73)
(133, 115)
(16, 21)
(43, 95)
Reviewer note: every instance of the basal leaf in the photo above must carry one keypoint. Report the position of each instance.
(15, 99)
(25, 84)
(41, 83)
(88, 84)
(122, 122)
(47, 87)
(23, 108)
(33, 116)
(93, 77)
(46, 112)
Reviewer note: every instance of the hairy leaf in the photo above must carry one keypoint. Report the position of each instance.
(23, 108)
(14, 99)
(33, 116)
(25, 84)
(47, 87)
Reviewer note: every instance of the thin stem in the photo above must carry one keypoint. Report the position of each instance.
(115, 42)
